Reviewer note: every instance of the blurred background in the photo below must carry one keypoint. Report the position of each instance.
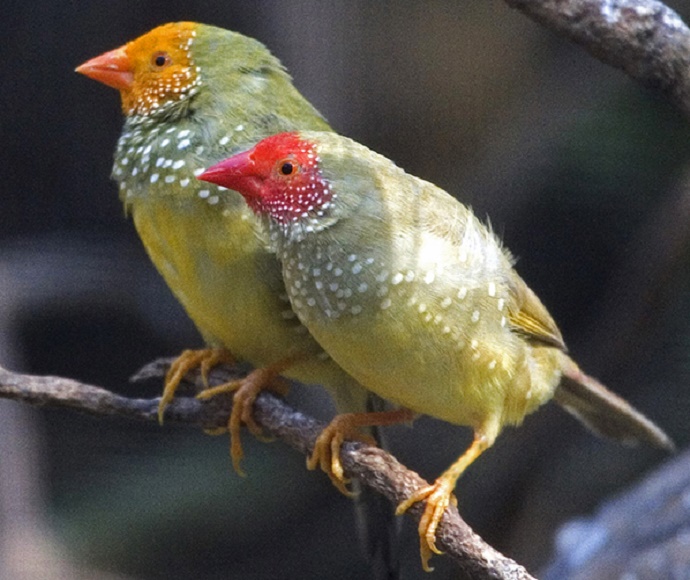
(583, 173)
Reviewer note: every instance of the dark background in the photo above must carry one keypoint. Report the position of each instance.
(582, 172)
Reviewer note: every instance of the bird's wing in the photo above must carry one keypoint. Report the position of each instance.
(530, 317)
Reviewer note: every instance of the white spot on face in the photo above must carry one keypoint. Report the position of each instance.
(356, 310)
(204, 193)
(386, 303)
(333, 286)
(184, 182)
(239, 128)
(363, 287)
(357, 268)
(165, 142)
(287, 314)
(198, 172)
(213, 200)
(178, 164)
(160, 161)
(338, 272)
(169, 178)
(225, 140)
(311, 301)
(154, 178)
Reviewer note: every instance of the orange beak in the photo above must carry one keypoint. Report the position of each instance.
(111, 68)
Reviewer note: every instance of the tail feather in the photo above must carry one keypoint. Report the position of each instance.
(604, 412)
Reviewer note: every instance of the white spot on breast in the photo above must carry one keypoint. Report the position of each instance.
(239, 128)
(421, 307)
(311, 301)
(288, 314)
(160, 161)
(333, 286)
(357, 268)
(430, 277)
(396, 279)
(492, 365)
(318, 285)
(386, 303)
(501, 304)
(503, 320)
(169, 178)
(409, 277)
(356, 310)
(154, 178)
(184, 144)
(446, 302)
(462, 293)
(492, 289)
(338, 272)
(363, 287)
(165, 142)
(475, 316)
(178, 164)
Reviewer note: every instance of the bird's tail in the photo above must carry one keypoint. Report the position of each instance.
(604, 412)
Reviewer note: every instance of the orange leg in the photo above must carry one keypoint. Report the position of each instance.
(205, 359)
(439, 496)
(326, 452)
(245, 392)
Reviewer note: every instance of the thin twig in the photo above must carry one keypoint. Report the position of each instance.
(644, 38)
(374, 467)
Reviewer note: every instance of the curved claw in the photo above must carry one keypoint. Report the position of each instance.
(245, 392)
(326, 453)
(205, 359)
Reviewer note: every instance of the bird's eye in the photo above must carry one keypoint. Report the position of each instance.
(161, 60)
(287, 168)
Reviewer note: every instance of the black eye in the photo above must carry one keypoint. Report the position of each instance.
(287, 168)
(160, 59)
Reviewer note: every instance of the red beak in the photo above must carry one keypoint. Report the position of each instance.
(236, 173)
(112, 68)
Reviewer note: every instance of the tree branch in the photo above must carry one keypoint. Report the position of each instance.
(644, 38)
(374, 467)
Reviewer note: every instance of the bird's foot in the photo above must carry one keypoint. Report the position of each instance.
(326, 453)
(438, 497)
(245, 392)
(204, 359)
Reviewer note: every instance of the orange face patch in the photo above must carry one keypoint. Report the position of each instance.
(163, 68)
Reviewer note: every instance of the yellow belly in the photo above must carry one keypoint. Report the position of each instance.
(216, 264)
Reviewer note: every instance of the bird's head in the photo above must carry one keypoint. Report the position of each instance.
(155, 72)
(280, 178)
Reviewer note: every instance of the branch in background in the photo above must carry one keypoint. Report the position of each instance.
(644, 38)
(374, 467)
